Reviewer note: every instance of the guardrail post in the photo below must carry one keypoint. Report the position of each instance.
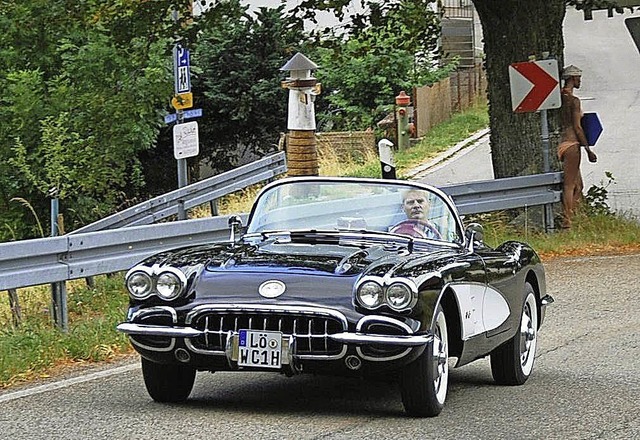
(16, 310)
(548, 209)
(213, 205)
(59, 311)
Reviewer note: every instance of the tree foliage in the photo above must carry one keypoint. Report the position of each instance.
(79, 105)
(87, 82)
(237, 81)
(377, 52)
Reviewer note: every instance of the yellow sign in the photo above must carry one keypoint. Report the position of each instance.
(182, 101)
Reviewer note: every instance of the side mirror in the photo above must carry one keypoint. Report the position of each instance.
(474, 233)
(235, 226)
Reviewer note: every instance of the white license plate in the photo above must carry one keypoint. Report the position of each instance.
(259, 348)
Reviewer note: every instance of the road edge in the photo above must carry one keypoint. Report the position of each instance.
(473, 140)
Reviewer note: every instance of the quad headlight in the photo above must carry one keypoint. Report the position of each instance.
(143, 282)
(168, 285)
(398, 294)
(139, 285)
(370, 294)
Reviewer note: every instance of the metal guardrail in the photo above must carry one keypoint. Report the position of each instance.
(68, 257)
(513, 192)
(83, 254)
(192, 195)
(48, 260)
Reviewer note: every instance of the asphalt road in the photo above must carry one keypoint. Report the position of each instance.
(584, 386)
(470, 164)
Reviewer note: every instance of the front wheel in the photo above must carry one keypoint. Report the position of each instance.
(512, 362)
(168, 383)
(425, 381)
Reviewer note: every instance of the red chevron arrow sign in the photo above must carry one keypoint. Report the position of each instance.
(535, 85)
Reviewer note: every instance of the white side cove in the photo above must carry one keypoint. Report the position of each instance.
(481, 308)
(495, 309)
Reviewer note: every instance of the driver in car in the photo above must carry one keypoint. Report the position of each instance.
(415, 204)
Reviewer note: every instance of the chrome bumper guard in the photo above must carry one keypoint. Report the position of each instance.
(344, 337)
(364, 339)
(158, 330)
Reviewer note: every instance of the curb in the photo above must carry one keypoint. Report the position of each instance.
(472, 140)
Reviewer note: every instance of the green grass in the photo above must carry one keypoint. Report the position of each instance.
(35, 348)
(590, 234)
(439, 139)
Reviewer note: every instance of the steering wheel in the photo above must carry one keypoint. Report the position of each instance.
(416, 228)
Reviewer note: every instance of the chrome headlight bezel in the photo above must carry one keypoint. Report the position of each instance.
(387, 285)
(168, 278)
(153, 275)
(143, 275)
(406, 292)
(375, 287)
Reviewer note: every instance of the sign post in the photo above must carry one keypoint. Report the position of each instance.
(387, 162)
(184, 135)
(535, 86)
(59, 310)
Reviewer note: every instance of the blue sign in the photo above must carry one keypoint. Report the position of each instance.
(193, 113)
(168, 119)
(592, 127)
(181, 70)
(187, 114)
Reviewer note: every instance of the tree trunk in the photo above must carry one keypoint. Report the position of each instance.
(513, 31)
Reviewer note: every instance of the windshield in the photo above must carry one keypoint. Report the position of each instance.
(399, 208)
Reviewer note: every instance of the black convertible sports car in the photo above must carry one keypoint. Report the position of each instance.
(340, 276)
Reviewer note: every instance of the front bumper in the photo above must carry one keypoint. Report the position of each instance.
(210, 332)
(355, 338)
(544, 302)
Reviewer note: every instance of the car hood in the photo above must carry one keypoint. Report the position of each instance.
(313, 273)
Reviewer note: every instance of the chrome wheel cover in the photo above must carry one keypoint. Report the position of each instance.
(528, 334)
(440, 358)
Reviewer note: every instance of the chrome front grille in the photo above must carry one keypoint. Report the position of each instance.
(310, 328)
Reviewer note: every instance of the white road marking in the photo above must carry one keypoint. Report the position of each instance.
(67, 382)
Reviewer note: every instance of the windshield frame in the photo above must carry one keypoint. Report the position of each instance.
(397, 184)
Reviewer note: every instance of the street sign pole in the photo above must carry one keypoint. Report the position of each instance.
(182, 172)
(544, 123)
(535, 86)
(182, 99)
(546, 166)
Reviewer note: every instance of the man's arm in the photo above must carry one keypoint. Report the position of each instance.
(576, 117)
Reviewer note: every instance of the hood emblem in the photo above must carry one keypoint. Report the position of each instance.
(271, 289)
